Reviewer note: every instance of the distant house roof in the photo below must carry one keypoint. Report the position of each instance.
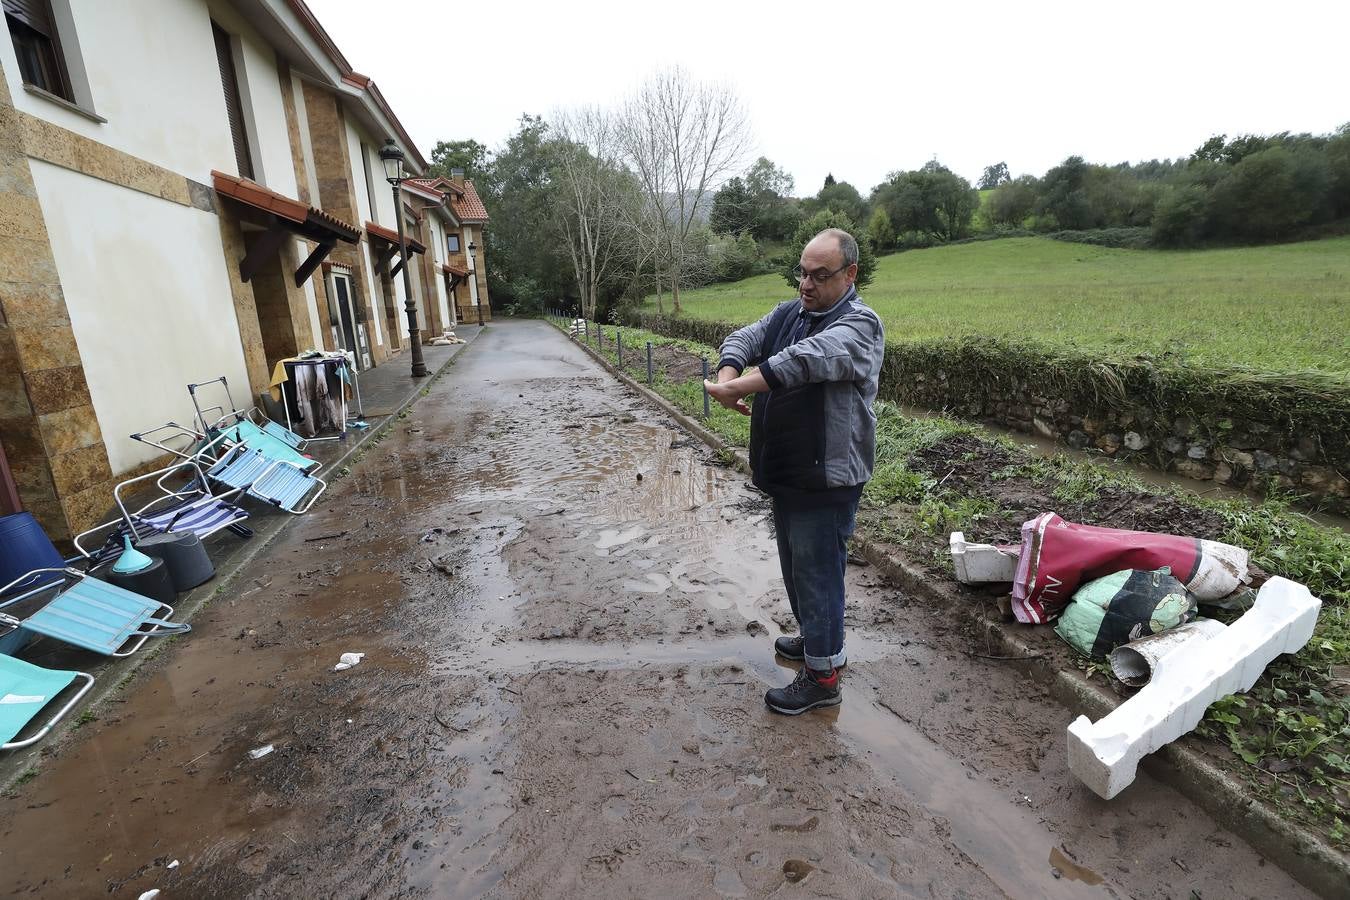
(443, 185)
(467, 206)
(420, 188)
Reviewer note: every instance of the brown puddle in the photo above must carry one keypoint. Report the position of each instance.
(1070, 869)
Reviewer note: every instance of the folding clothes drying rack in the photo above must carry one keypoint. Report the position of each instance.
(345, 372)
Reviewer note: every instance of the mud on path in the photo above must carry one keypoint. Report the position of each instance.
(562, 696)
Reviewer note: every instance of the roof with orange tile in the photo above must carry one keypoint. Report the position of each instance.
(439, 183)
(469, 208)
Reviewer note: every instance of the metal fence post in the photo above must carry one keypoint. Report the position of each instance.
(707, 410)
(618, 343)
(649, 364)
(586, 329)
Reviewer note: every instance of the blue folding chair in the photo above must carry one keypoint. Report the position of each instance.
(277, 482)
(25, 690)
(93, 615)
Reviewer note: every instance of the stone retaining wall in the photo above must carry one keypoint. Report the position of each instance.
(1237, 452)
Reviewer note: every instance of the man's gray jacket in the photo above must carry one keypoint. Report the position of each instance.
(813, 435)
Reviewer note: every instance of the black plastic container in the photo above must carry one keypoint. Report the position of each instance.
(183, 555)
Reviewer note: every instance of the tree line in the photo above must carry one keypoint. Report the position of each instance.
(606, 206)
(1251, 189)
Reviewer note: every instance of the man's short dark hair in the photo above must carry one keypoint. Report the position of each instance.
(848, 245)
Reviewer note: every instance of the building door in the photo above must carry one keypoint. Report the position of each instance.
(349, 332)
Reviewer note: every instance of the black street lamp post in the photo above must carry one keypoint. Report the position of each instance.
(392, 157)
(473, 273)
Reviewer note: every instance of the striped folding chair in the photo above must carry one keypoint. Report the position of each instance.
(191, 507)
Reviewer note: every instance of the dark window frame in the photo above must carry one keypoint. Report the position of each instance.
(37, 45)
(234, 104)
(452, 236)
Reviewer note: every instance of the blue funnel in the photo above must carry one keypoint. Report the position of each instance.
(131, 560)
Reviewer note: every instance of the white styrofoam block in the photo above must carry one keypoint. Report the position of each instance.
(980, 563)
(1106, 755)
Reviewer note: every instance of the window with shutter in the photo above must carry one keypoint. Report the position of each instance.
(37, 46)
(234, 107)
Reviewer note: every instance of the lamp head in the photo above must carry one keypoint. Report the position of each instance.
(392, 157)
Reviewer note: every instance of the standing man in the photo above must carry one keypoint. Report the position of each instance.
(812, 441)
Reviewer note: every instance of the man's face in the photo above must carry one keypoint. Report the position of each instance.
(823, 257)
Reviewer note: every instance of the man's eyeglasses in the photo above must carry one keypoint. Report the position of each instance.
(818, 277)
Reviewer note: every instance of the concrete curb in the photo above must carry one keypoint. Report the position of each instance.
(1304, 855)
(115, 674)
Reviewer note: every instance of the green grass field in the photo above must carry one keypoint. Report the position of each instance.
(1279, 309)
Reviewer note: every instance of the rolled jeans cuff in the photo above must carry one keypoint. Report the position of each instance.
(821, 663)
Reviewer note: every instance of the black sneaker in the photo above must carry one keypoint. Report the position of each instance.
(793, 646)
(806, 692)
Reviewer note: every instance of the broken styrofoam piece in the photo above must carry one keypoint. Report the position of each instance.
(982, 563)
(347, 660)
(1105, 755)
(262, 751)
(1135, 662)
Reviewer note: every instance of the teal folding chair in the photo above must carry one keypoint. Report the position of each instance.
(25, 691)
(272, 444)
(233, 415)
(93, 615)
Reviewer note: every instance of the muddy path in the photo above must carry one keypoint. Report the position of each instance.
(562, 696)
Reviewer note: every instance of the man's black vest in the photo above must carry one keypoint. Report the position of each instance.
(787, 426)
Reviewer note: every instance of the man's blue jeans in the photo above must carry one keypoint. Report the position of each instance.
(813, 551)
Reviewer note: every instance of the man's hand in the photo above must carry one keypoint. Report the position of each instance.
(727, 395)
(730, 392)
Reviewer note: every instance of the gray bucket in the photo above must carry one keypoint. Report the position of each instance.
(183, 555)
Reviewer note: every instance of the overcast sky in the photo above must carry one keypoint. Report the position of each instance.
(860, 89)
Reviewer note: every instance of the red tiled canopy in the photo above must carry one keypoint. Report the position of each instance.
(390, 236)
(454, 270)
(309, 221)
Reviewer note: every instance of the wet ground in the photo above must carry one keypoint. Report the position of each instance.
(566, 608)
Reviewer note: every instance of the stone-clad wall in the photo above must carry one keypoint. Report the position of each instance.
(1236, 452)
(50, 433)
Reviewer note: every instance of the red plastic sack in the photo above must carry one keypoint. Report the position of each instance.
(1057, 556)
